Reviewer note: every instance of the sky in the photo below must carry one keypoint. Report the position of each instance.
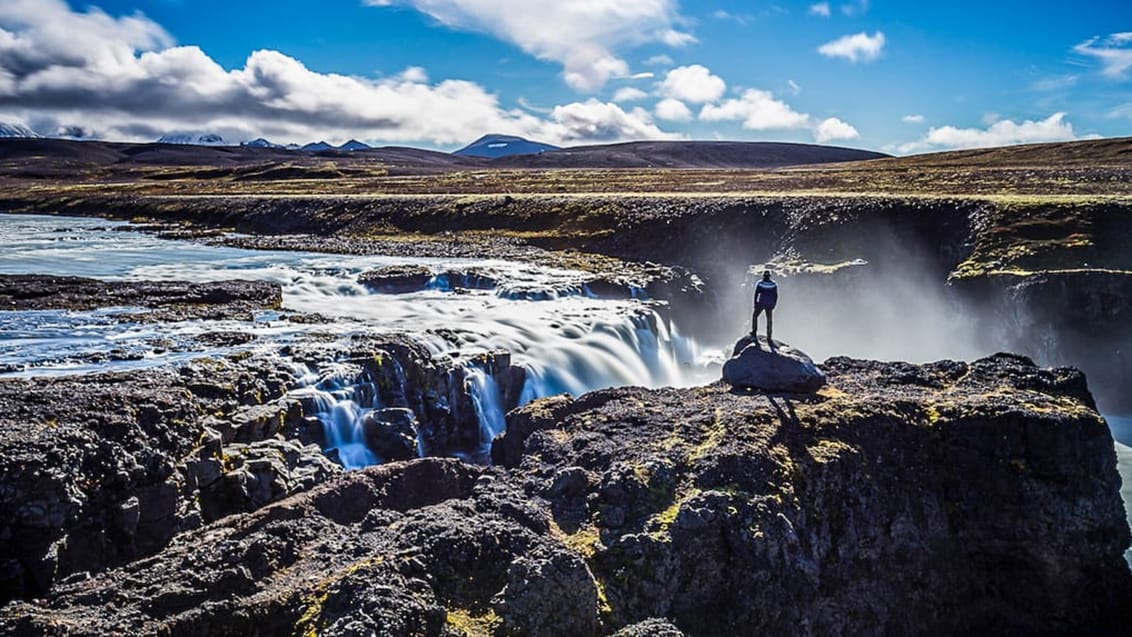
(898, 77)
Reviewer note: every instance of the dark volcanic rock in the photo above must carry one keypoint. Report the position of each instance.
(771, 366)
(396, 279)
(174, 300)
(94, 470)
(948, 498)
(978, 498)
(419, 548)
(391, 433)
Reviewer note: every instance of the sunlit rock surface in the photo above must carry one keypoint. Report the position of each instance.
(761, 363)
(949, 498)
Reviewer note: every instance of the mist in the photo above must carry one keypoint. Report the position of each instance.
(898, 306)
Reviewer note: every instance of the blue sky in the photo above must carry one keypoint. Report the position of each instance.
(899, 77)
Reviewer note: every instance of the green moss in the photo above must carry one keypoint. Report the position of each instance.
(469, 625)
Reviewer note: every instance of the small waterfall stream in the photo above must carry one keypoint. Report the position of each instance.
(335, 397)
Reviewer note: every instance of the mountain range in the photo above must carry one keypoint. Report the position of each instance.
(505, 151)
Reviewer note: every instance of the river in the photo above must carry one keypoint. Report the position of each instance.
(567, 339)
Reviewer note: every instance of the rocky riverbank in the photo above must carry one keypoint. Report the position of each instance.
(153, 301)
(899, 499)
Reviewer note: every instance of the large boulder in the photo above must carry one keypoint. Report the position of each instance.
(772, 366)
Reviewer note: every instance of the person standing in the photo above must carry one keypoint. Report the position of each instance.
(766, 297)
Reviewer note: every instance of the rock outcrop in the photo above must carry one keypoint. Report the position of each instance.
(773, 366)
(167, 300)
(900, 499)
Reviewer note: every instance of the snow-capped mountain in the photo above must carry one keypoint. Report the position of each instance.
(195, 139)
(317, 146)
(17, 130)
(493, 146)
(354, 144)
(260, 142)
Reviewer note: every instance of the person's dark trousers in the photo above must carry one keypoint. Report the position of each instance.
(769, 320)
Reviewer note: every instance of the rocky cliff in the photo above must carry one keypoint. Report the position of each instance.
(899, 500)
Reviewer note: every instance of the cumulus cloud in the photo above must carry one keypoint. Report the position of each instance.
(121, 78)
(582, 36)
(834, 129)
(695, 83)
(761, 110)
(859, 47)
(913, 119)
(1113, 52)
(629, 94)
(757, 110)
(821, 8)
(593, 120)
(1054, 128)
(673, 110)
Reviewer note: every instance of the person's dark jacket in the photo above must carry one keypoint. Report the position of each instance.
(766, 294)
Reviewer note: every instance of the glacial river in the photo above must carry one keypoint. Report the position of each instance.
(567, 339)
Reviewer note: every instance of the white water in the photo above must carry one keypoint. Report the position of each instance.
(1122, 430)
(567, 340)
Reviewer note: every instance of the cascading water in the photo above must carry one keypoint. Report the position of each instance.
(484, 392)
(551, 322)
(340, 402)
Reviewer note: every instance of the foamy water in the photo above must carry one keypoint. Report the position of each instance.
(545, 317)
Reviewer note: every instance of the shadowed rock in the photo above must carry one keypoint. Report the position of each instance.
(772, 366)
(396, 279)
(941, 499)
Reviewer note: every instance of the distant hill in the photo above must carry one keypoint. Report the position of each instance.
(317, 146)
(192, 139)
(354, 144)
(17, 130)
(260, 142)
(665, 154)
(494, 146)
(1089, 152)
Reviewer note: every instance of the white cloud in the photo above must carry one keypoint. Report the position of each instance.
(1112, 52)
(761, 110)
(120, 78)
(795, 88)
(582, 36)
(858, 47)
(860, 7)
(695, 83)
(629, 94)
(593, 120)
(757, 110)
(1005, 132)
(673, 110)
(833, 129)
(659, 60)
(1055, 83)
(821, 8)
(912, 119)
(741, 20)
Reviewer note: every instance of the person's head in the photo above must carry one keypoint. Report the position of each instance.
(766, 275)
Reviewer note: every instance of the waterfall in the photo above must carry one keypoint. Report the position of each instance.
(340, 403)
(484, 392)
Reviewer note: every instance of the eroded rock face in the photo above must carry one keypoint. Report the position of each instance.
(772, 366)
(948, 498)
